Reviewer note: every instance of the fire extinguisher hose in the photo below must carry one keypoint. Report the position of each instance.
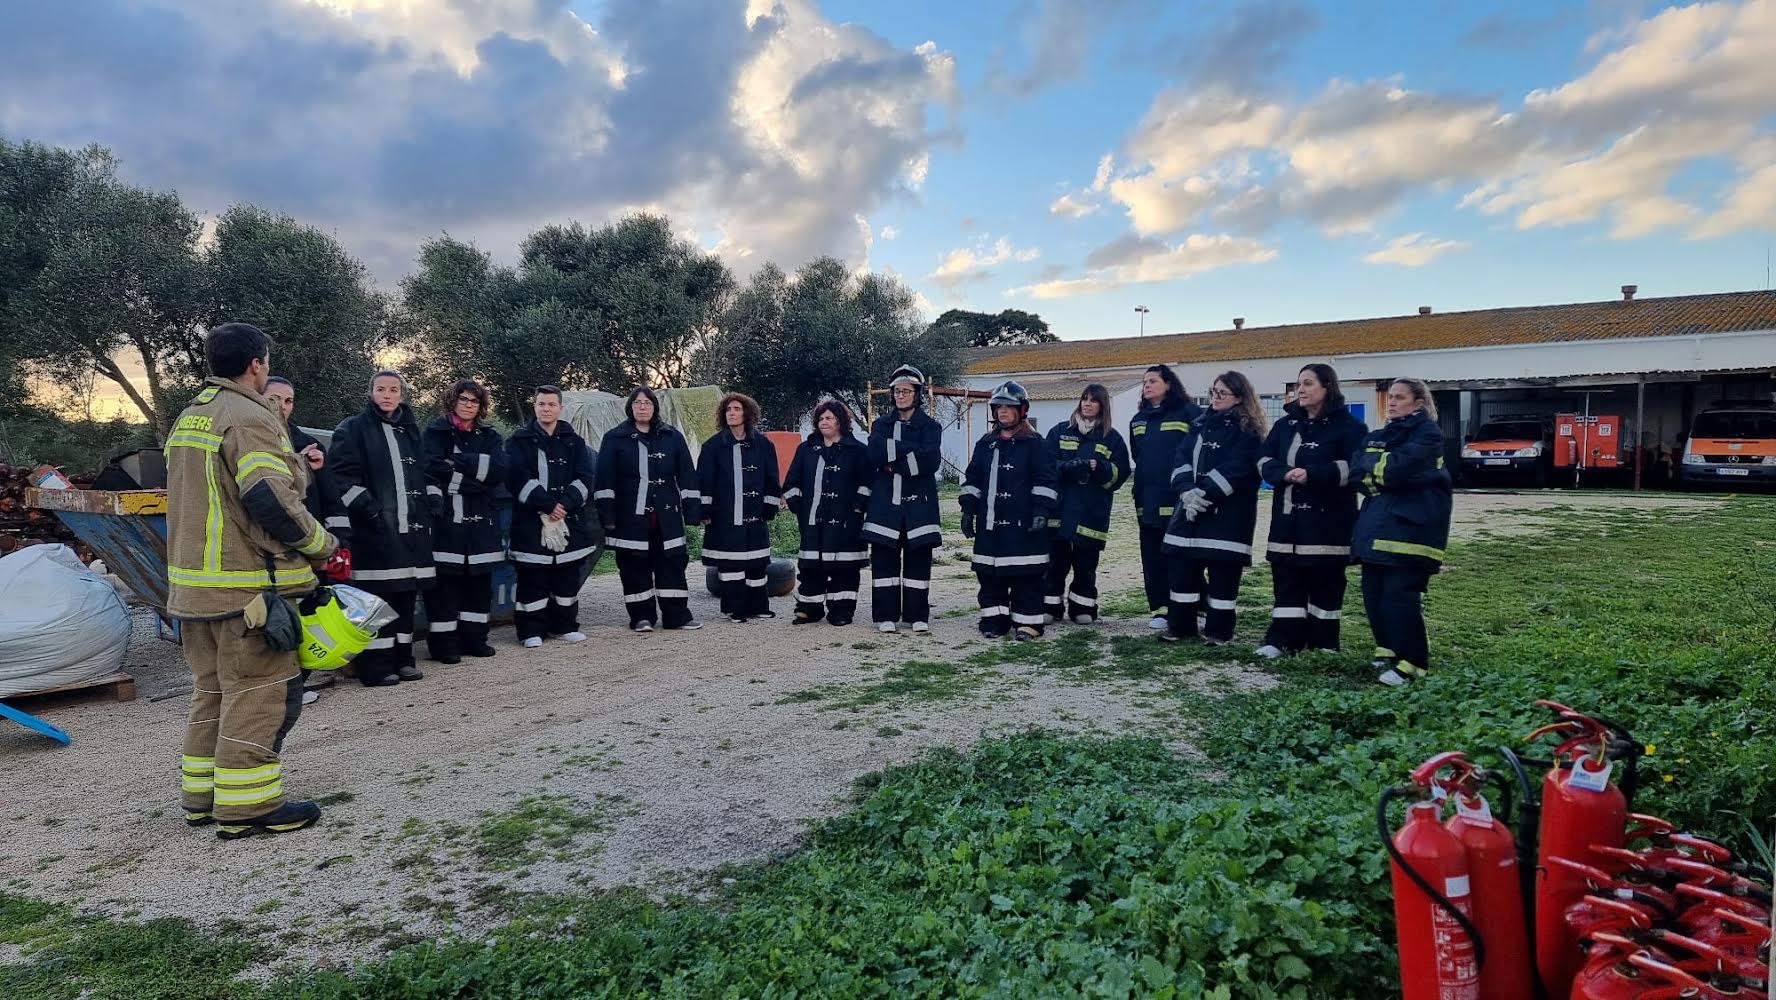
(1442, 901)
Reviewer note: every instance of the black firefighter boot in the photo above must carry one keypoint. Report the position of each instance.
(285, 818)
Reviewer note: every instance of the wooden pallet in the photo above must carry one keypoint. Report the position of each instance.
(120, 684)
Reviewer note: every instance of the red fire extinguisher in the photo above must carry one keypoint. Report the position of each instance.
(1493, 880)
(1581, 806)
(1441, 953)
(1640, 976)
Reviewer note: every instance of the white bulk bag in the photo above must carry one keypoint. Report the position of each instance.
(59, 623)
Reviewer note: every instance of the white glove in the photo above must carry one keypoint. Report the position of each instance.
(1195, 500)
(554, 534)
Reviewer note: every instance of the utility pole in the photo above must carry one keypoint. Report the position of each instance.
(1143, 310)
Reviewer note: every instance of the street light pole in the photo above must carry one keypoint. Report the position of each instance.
(1143, 310)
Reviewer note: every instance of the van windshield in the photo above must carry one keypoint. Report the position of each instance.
(1735, 424)
(1509, 430)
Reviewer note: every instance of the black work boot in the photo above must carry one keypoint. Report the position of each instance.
(284, 819)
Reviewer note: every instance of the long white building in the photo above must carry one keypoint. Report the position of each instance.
(1653, 361)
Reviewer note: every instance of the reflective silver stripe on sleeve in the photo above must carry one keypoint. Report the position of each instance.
(1344, 472)
(351, 496)
(819, 484)
(482, 464)
(1218, 479)
(1043, 491)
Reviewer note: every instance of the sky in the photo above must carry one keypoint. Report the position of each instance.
(1277, 160)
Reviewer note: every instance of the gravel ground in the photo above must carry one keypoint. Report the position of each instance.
(658, 758)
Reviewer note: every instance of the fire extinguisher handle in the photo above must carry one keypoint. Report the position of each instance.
(1424, 775)
(1744, 922)
(1670, 975)
(1652, 827)
(1698, 869)
(1690, 944)
(1702, 845)
(1554, 706)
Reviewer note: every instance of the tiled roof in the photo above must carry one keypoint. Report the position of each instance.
(1675, 316)
(1068, 385)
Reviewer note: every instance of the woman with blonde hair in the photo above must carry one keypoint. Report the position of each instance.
(742, 492)
(1209, 539)
(1403, 527)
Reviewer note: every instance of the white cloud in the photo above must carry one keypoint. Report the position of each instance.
(889, 232)
(766, 122)
(1071, 207)
(1413, 250)
(1106, 166)
(1194, 255)
(1750, 205)
(1686, 85)
(964, 265)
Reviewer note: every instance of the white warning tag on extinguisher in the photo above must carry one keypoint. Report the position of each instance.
(1582, 775)
(1474, 810)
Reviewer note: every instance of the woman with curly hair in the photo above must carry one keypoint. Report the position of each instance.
(466, 459)
(828, 488)
(737, 478)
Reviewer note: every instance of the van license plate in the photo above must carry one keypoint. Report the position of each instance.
(1498, 461)
(1734, 472)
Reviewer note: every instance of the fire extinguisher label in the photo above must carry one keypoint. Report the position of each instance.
(1586, 779)
(1458, 977)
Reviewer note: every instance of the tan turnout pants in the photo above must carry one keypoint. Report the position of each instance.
(243, 696)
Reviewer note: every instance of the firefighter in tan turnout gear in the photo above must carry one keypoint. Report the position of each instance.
(235, 521)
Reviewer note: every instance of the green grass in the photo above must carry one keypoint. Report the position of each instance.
(909, 683)
(1040, 865)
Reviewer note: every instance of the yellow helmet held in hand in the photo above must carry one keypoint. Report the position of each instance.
(329, 639)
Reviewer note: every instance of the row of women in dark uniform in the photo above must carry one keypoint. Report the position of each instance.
(1197, 478)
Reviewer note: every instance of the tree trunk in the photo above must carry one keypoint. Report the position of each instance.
(109, 369)
(156, 394)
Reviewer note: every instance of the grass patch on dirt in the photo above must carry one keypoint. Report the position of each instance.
(66, 956)
(915, 682)
(1039, 865)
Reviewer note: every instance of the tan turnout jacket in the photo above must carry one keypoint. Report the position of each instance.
(234, 494)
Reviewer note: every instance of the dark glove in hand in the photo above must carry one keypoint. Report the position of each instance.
(1038, 525)
(967, 525)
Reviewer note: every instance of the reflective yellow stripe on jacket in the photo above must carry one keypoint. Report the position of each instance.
(1409, 549)
(253, 461)
(189, 433)
(237, 579)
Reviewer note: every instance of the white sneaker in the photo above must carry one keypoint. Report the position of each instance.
(921, 626)
(884, 627)
(1157, 623)
(1082, 619)
(575, 636)
(1392, 678)
(642, 626)
(533, 642)
(1269, 652)
(310, 697)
